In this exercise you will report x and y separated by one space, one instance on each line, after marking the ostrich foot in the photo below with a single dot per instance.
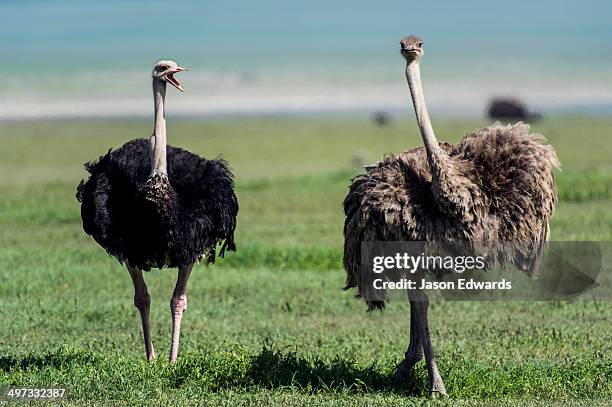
151 357
403 371
437 388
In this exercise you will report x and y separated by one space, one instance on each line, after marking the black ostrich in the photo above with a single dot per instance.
151 205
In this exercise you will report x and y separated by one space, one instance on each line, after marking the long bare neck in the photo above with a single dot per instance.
413 75
452 191
158 139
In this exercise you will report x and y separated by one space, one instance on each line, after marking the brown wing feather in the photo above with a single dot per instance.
511 195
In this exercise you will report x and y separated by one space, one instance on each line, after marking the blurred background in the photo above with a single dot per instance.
69 58
297 96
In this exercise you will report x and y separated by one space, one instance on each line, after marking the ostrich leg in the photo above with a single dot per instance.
420 303
414 353
178 305
142 301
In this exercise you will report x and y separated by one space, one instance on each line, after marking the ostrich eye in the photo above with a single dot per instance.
163 67
420 44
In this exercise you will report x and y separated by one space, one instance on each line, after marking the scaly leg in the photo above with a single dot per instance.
414 353
421 303
142 301
178 305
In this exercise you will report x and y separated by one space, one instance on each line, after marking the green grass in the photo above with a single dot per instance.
270 323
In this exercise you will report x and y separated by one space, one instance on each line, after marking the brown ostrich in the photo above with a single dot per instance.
496 185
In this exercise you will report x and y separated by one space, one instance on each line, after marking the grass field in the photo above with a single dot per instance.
270 323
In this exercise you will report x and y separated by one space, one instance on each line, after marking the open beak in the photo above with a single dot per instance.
172 80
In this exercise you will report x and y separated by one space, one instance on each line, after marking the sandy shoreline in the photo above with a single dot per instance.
336 101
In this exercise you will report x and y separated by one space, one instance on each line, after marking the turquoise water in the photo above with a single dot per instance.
72 58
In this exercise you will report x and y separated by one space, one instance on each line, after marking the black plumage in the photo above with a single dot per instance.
158 222
151 205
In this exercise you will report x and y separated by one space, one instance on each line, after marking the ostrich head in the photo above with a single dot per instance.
412 48
165 70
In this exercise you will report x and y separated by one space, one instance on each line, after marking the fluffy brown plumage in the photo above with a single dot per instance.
500 188
496 185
